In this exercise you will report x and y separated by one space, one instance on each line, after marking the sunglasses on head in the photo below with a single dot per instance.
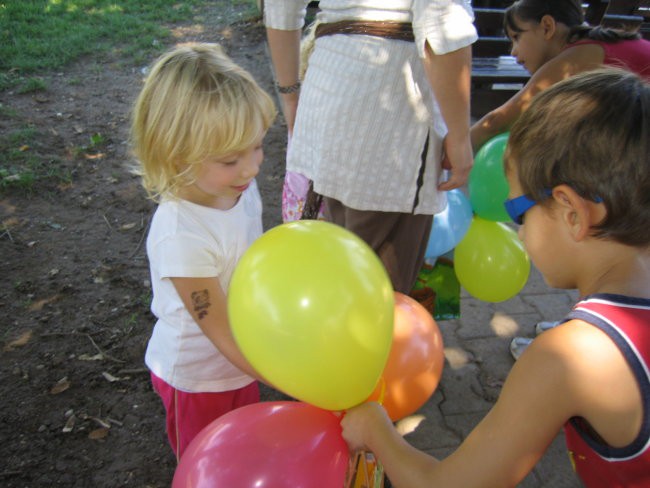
518 206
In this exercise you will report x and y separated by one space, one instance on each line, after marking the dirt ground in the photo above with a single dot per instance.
77 406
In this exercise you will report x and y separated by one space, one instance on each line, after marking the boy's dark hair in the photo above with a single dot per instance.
567 12
591 132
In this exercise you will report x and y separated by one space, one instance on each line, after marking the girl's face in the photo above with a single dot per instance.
544 238
530 45
221 181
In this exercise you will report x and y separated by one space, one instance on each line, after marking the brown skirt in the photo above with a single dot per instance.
399 239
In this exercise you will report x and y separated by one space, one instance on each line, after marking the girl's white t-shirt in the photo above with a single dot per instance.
191 241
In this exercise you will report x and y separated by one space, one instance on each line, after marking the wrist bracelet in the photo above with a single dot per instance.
288 89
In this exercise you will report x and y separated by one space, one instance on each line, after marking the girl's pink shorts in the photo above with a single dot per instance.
188 413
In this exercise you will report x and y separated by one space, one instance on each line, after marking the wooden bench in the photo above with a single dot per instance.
622 14
643 11
496 76
629 15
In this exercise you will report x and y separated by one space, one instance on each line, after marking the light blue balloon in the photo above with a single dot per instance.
450 225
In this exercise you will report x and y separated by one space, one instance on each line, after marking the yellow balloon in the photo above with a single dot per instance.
491 262
311 307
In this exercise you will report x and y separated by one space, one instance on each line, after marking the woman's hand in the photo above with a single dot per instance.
458 159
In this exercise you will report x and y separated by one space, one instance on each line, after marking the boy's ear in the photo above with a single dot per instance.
549 25
577 213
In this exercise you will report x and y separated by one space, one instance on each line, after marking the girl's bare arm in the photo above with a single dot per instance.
206 302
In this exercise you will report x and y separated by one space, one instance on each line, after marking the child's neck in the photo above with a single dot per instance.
193 194
560 39
627 274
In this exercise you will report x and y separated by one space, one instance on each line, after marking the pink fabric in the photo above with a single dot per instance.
294 194
188 413
632 55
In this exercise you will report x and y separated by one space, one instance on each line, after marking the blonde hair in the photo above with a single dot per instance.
195 103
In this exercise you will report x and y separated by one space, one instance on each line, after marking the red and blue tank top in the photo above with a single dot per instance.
626 321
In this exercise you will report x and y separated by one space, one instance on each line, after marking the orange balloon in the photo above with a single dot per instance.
415 363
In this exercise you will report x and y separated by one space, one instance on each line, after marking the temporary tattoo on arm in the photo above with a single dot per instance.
201 302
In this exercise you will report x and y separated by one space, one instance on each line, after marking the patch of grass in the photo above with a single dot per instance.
37 35
18 162
95 141
7 112
8 80
41 36
32 85
20 165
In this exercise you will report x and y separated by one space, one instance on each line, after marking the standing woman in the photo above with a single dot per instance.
552 41
387 81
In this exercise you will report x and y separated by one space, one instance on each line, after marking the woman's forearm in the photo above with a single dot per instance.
284 47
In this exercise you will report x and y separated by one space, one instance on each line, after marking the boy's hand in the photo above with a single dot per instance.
360 422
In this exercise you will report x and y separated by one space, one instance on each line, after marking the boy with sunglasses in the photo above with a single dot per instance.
578 165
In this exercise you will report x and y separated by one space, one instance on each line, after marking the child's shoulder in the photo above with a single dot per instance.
174 216
588 346
581 54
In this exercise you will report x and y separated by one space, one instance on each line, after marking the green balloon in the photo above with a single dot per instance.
490 262
488 187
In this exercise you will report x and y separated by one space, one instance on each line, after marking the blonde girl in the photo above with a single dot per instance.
197 131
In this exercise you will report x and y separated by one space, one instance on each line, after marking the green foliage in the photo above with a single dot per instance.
32 85
96 140
20 165
38 35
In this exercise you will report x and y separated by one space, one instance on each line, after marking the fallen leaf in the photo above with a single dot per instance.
11 221
60 386
23 148
94 156
39 304
109 377
20 341
69 425
100 433
95 357
101 422
128 226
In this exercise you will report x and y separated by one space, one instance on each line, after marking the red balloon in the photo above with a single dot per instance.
282 444
415 363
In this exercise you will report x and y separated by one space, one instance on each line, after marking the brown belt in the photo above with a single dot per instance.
401 31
